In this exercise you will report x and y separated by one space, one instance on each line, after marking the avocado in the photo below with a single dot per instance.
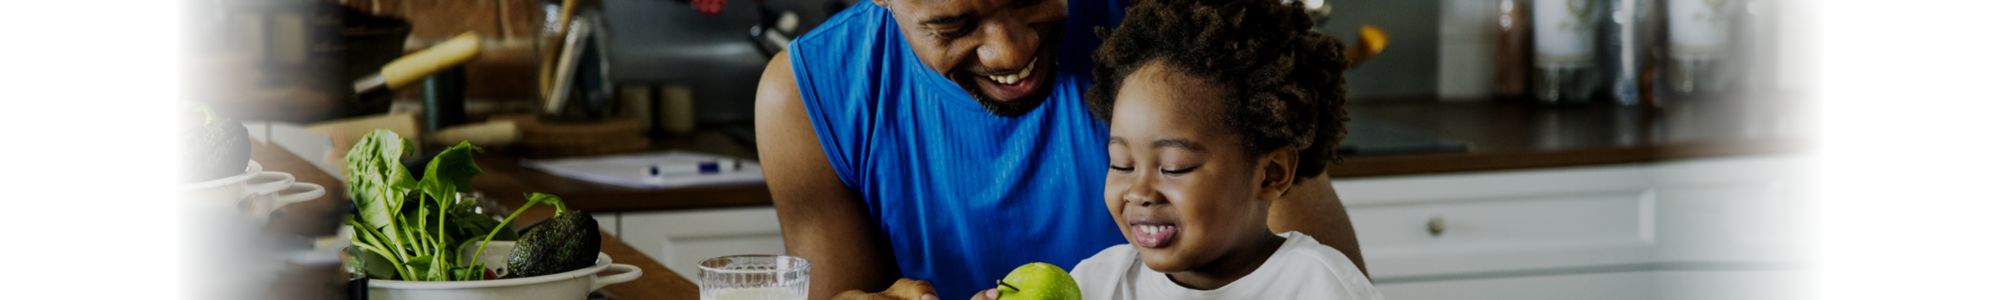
567 242
215 147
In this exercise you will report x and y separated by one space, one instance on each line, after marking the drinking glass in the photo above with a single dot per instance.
758 277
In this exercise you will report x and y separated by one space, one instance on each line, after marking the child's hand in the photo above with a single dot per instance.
904 289
988 294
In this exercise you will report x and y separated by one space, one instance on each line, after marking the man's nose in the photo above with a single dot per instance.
1008 45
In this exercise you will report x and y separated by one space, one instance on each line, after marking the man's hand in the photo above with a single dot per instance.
988 294
904 289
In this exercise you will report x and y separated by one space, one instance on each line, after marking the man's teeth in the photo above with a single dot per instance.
1007 80
1016 77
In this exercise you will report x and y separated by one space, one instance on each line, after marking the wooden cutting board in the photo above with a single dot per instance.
541 138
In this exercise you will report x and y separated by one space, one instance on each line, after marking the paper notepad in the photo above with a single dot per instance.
631 170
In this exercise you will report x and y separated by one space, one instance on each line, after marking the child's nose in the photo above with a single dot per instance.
1141 192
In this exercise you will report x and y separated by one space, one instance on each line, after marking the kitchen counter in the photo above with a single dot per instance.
1512 135
506 179
1495 136
655 281
316 218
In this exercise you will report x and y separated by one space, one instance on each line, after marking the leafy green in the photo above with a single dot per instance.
412 229
533 198
377 181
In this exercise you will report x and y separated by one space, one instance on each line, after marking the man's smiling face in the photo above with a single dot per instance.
1002 52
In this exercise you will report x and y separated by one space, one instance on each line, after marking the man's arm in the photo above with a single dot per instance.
823 221
1311 207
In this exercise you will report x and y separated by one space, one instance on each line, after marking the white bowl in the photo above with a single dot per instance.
249 170
221 194
268 182
298 192
575 284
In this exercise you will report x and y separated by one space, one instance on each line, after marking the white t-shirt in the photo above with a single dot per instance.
1301 269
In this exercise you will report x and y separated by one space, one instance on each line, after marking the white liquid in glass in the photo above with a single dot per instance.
759 293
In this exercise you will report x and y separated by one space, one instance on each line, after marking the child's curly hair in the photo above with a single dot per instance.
1283 79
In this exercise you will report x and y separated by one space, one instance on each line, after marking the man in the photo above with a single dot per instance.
923 147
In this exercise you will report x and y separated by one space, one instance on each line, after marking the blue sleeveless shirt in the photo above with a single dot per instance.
964 196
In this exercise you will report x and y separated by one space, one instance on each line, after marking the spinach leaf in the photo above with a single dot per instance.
411 229
377 180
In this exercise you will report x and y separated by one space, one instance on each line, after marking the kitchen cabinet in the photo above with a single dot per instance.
681 239
1680 229
1716 285
1708 228
1688 200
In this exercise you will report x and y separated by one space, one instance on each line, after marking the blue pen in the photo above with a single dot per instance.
710 167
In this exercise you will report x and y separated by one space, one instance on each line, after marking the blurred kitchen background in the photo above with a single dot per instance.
1499 149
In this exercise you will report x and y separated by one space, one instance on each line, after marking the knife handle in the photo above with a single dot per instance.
415 66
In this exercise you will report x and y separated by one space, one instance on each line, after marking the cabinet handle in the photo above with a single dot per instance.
1435 226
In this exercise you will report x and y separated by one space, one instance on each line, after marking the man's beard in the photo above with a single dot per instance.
1021 106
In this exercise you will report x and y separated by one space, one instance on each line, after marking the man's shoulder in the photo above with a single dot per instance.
838 56
845 30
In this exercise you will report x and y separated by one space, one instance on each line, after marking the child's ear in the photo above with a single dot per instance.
1277 168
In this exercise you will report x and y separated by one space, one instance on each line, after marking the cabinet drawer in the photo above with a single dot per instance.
1504 234
1509 223
1706 285
1503 221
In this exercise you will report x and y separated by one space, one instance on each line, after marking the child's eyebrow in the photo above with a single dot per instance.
1116 140
1179 143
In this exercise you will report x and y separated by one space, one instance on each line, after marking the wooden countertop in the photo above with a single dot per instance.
1513 135
1498 136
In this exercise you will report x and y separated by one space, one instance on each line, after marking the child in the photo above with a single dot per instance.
1215 109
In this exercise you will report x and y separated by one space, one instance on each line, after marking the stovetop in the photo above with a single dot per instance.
1368 138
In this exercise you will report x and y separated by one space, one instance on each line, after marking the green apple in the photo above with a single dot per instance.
1039 281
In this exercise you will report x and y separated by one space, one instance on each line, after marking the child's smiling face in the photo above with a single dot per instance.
1182 186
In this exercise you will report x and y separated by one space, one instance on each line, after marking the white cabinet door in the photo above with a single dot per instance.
680 240
1732 210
